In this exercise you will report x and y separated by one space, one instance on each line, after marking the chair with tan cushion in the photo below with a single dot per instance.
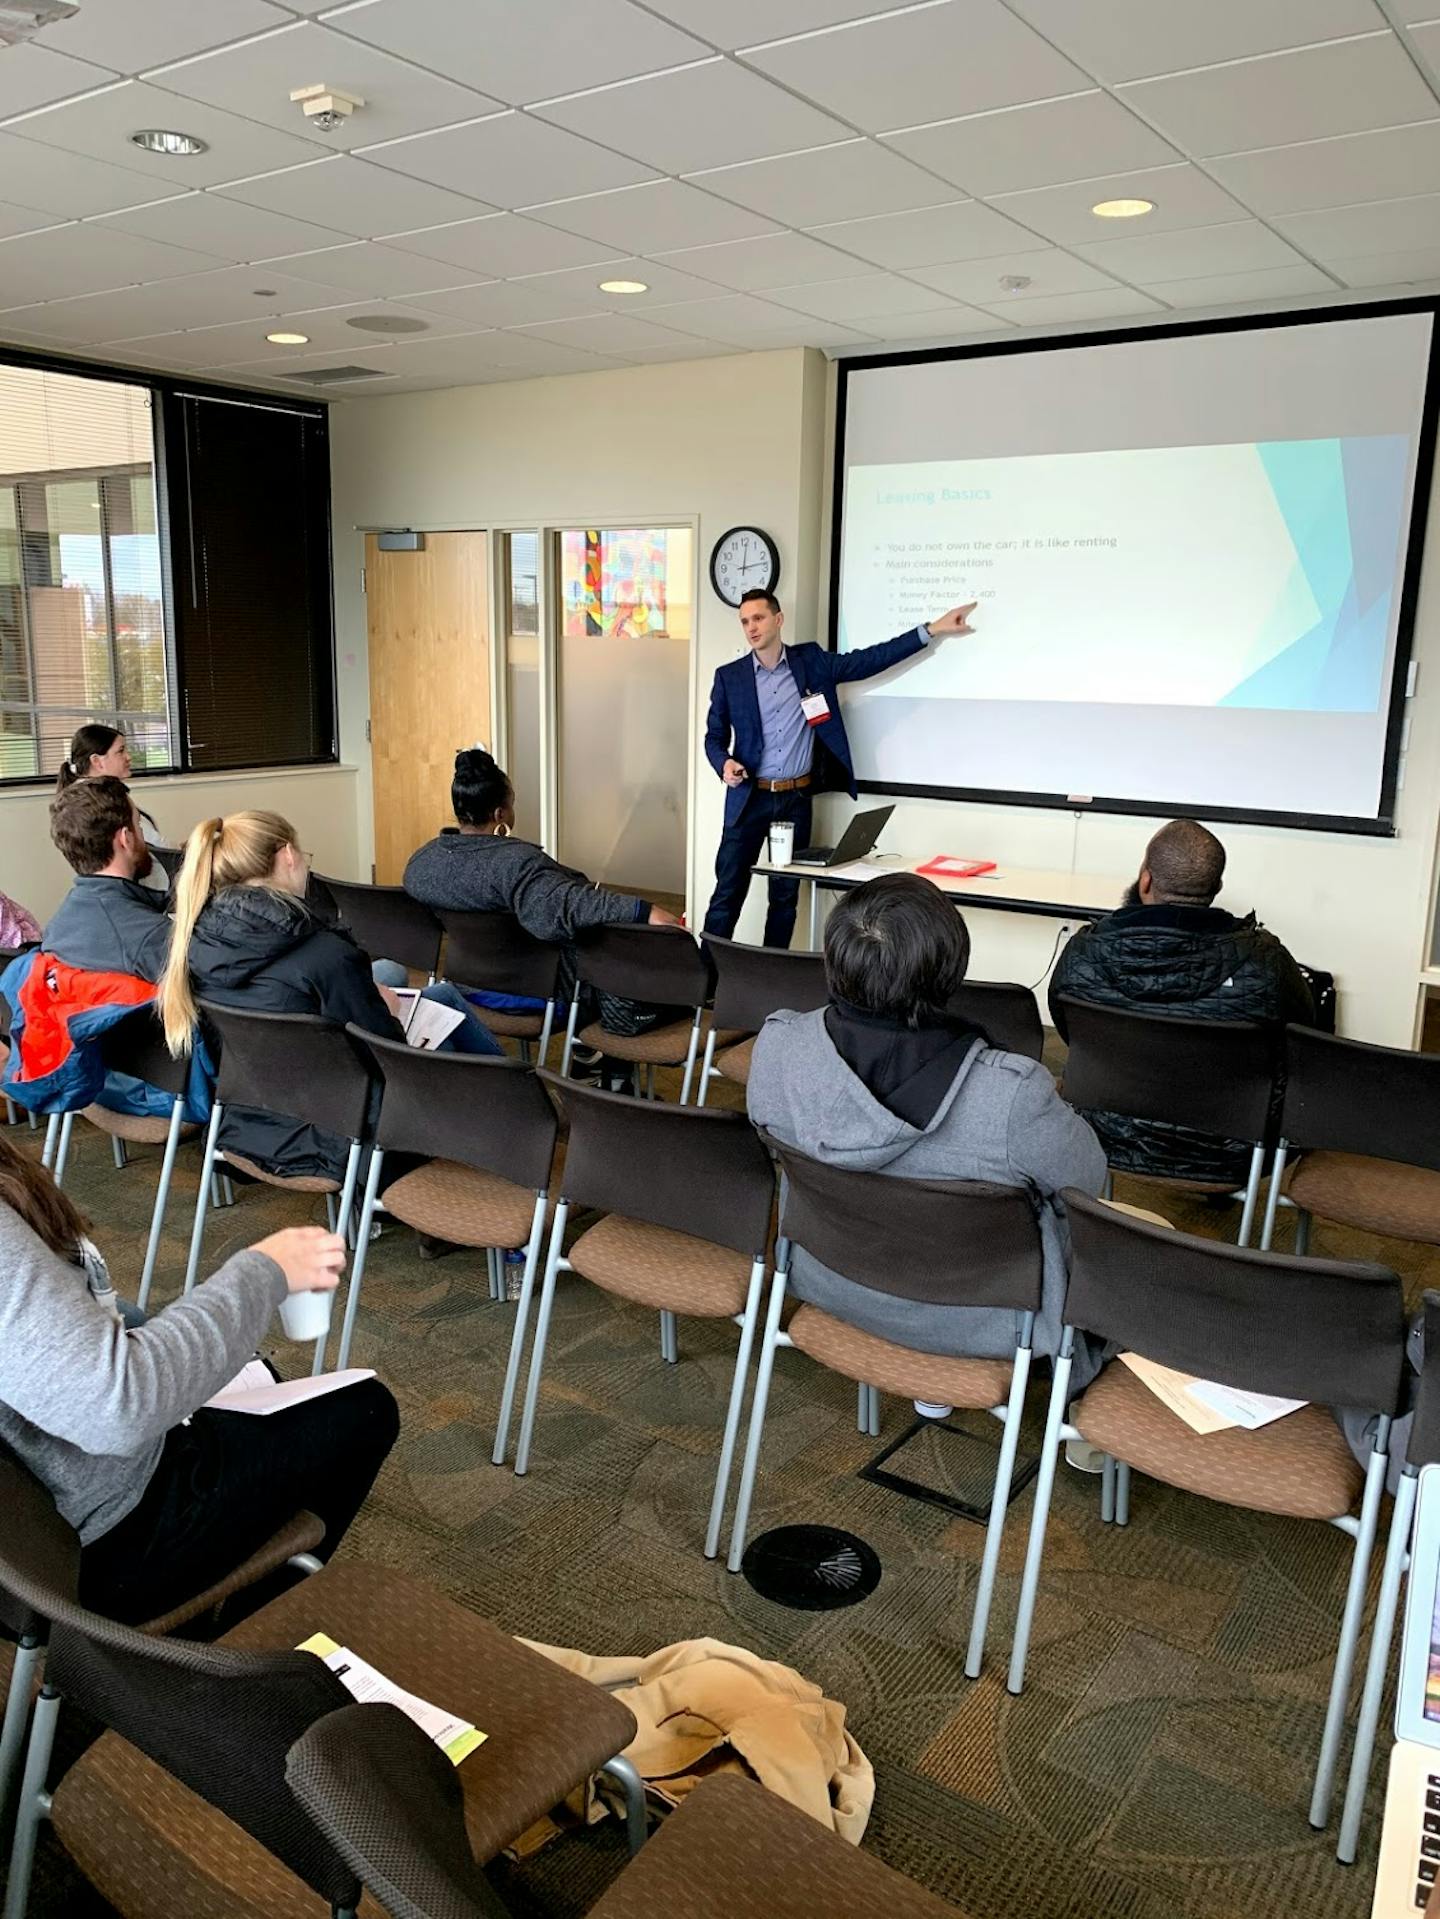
751 983
660 965
1366 1120
731 1851
386 922
486 1132
494 952
687 1196
1007 1015
1328 1334
181 1807
942 1242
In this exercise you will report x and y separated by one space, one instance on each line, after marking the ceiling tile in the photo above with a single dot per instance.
741 320
130 35
1409 11
256 77
86 259
524 53
653 218
1036 146
1389 269
710 115
541 356
1383 226
509 161
858 299
193 300
834 183
1049 272
606 333
664 284
226 227
354 197
777 259
70 185
1310 94
1126 39
101 126
1333 173
681 350
32 76
1239 246
504 303
501 244
1066 307
1234 289
909 67
374 270
744 23
963 230
937 324
329 332
23 220
1183 197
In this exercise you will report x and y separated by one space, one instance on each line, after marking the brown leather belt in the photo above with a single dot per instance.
785 786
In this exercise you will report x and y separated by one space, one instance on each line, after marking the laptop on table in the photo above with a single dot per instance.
856 842
1410 1837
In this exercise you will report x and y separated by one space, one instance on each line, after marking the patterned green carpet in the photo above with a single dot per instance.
1158 1763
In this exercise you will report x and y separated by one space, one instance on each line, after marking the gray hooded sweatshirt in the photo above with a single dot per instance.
1002 1120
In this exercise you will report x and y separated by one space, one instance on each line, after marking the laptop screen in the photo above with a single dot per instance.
1417 1702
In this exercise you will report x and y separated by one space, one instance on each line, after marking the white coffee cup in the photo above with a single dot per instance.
782 842
306 1316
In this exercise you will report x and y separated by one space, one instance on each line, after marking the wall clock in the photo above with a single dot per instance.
744 560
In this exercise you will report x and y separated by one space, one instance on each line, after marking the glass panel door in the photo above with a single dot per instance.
520 561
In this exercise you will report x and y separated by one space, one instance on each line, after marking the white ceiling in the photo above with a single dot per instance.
838 173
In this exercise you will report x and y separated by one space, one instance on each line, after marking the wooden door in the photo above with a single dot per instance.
428 615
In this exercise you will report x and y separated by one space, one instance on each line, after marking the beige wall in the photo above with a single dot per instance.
747 439
713 441
320 801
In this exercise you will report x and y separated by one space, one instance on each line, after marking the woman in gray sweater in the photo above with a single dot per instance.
167 1494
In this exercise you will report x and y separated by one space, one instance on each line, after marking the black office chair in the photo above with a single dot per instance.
1006 1014
659 964
751 983
493 951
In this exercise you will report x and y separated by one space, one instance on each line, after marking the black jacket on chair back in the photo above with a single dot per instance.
267 952
1195 961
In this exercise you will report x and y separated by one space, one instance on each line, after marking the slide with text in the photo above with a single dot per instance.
1258 575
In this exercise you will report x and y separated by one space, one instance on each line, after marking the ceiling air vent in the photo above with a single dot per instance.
336 375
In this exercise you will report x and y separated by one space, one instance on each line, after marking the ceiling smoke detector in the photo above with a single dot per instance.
388 323
326 108
1015 282
19 22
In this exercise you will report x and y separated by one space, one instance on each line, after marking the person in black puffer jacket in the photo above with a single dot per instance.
1170 950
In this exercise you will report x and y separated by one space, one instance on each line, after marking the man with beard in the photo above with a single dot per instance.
1170 950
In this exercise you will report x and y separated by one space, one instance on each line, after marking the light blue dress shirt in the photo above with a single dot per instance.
789 737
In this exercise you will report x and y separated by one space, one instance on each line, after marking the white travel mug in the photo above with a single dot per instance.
305 1317
782 842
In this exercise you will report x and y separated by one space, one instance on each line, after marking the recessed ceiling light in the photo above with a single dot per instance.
624 286
1015 282
288 339
176 146
1122 209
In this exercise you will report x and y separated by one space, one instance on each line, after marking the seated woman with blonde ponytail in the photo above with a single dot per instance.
244 937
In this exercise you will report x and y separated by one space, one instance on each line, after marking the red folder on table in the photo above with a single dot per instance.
945 866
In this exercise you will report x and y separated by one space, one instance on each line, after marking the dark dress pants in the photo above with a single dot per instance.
744 843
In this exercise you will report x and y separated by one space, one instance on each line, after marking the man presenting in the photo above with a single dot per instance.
774 735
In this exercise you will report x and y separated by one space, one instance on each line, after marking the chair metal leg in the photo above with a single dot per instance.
542 1335
12 1112
52 1140
707 1067
29 1658
34 1803
633 1786
1107 1492
669 1337
1107 1191
330 1212
1382 1634
207 1167
490 1272
569 1046
999 1506
62 1151
1302 1232
117 1152
306 1563
34 1122
547 1027
362 1247
732 1411
757 1409
162 1200
862 1409
1349 1630
227 1190
517 1337
1035 1548
690 1057
1272 1198
346 1213
1122 1492
1252 1193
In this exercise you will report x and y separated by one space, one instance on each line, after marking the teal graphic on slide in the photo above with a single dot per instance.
1342 502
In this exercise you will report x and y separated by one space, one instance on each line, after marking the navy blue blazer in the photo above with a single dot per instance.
734 731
